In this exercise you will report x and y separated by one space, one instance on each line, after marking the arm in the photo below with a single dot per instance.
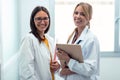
64 59
26 61
54 66
91 60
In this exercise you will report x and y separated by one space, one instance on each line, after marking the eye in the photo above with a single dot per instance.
76 13
40 19
45 18
82 14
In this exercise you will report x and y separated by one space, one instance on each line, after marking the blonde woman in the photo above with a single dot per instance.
89 69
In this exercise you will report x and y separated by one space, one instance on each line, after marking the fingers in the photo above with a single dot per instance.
55 66
66 71
62 55
60 50
54 63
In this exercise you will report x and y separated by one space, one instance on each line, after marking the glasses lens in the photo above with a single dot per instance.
40 19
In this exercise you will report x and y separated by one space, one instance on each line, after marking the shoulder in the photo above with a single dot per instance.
28 38
50 40
91 36
49 37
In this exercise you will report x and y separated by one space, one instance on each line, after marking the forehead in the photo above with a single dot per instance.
41 14
79 8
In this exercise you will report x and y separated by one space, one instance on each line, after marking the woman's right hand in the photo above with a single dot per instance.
66 71
54 66
62 55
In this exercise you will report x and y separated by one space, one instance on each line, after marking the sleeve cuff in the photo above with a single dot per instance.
71 63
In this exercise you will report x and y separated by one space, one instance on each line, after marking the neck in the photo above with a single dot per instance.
80 29
42 35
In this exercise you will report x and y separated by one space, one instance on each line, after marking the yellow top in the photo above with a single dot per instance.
47 44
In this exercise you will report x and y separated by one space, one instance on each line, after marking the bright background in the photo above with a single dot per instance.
102 23
14 24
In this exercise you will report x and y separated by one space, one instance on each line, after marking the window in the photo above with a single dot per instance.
102 23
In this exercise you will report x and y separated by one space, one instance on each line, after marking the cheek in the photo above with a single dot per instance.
86 21
74 17
35 23
47 23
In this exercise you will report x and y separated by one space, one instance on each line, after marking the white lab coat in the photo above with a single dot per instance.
89 70
34 58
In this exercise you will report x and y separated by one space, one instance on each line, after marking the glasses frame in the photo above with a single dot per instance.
39 19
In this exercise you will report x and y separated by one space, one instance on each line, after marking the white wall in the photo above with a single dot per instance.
110 68
0 36
15 24
117 26
0 42
25 9
8 29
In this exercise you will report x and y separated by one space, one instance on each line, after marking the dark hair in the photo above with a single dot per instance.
32 24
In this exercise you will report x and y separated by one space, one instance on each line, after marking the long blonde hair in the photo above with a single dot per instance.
87 8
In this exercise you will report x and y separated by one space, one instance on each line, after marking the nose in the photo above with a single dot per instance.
78 15
42 22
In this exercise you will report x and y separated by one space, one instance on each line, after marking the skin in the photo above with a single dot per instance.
63 56
41 26
80 21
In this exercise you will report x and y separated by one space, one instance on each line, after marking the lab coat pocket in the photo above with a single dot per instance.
26 73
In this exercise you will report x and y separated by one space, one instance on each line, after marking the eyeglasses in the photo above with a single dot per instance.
40 19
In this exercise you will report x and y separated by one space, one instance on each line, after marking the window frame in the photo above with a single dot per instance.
116 52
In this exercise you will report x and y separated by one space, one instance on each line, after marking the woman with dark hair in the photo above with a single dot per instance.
37 49
89 69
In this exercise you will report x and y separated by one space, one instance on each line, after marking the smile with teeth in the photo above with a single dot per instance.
78 20
41 25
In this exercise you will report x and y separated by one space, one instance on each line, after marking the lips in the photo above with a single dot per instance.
41 25
78 21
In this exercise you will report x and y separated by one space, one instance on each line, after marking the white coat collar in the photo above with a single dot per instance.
82 36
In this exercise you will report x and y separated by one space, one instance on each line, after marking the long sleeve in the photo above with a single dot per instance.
26 61
91 60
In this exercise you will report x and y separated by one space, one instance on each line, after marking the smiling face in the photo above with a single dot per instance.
41 21
80 19
82 15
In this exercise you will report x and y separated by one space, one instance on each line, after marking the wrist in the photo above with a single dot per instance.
66 62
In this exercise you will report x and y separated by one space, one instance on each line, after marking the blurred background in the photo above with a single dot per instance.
14 24
105 23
